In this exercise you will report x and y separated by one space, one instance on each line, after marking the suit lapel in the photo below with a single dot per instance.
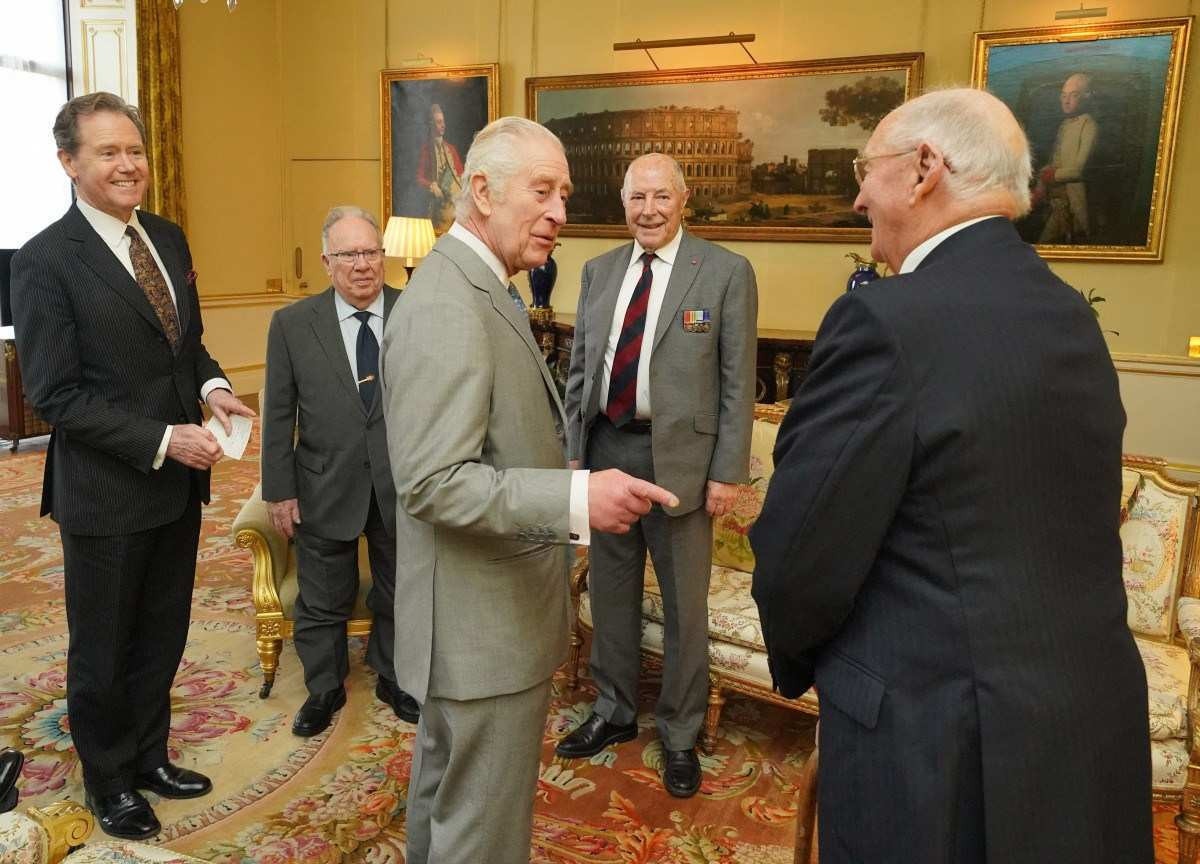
328 331
485 280
683 273
174 264
600 321
96 255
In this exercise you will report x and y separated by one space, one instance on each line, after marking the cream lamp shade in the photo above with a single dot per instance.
408 237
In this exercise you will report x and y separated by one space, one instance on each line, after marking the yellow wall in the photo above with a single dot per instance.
281 119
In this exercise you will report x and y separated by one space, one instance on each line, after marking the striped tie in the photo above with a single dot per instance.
622 383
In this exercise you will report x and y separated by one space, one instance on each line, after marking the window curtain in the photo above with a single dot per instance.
161 106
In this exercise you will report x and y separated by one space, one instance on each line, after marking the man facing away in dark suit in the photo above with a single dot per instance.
109 338
662 386
939 551
325 469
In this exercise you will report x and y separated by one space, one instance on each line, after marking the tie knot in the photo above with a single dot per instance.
648 258
131 233
364 316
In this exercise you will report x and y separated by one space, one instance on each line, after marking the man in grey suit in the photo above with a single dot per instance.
485 505
661 386
325 467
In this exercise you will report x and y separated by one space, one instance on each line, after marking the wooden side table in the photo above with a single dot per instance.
17 419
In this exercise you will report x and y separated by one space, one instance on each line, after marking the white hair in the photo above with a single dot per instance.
345 211
982 143
680 183
496 153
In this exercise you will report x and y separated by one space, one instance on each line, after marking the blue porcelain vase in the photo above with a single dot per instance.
864 272
541 281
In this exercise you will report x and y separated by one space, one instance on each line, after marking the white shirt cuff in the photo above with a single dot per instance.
214 384
577 524
161 456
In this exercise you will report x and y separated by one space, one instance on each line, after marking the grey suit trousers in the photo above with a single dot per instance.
681 549
469 803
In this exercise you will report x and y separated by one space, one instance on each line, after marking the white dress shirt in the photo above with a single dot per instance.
916 256
577 522
351 325
112 232
660 270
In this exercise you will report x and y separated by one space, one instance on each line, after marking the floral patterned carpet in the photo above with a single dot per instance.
340 796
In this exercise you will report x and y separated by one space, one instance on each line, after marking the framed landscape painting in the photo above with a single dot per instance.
1100 104
429 117
767 150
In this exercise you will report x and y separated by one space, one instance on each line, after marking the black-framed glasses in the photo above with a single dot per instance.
350 258
860 162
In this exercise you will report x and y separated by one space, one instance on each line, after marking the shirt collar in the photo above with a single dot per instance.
345 310
110 228
480 248
667 253
916 256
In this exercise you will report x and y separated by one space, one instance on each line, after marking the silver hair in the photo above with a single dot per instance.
497 155
345 211
680 183
983 154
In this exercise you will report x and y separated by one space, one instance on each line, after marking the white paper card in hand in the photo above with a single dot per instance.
234 445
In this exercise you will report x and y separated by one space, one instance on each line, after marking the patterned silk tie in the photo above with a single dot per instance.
622 382
367 356
516 297
154 286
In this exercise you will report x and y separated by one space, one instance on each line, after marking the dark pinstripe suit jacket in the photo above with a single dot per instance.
939 552
97 367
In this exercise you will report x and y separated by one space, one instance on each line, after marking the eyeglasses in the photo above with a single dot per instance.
371 256
860 162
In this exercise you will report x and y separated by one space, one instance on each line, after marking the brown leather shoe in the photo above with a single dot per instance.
593 735
681 772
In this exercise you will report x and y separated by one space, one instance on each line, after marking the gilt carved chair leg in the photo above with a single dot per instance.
573 655
1188 820
268 658
712 717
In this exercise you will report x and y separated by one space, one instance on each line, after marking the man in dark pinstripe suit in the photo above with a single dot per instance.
108 334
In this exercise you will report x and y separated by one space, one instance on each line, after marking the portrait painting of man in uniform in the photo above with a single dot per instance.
1100 104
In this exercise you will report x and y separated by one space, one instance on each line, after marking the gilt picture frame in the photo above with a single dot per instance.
1100 103
429 117
766 149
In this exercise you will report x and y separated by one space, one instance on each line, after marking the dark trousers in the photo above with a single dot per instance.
129 600
327 573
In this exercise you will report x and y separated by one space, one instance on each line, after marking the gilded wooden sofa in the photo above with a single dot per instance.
45 835
737 656
275 588
1162 580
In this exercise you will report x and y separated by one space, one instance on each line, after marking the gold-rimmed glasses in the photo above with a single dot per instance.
349 258
860 162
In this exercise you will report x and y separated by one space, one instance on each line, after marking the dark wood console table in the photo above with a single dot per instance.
17 419
782 363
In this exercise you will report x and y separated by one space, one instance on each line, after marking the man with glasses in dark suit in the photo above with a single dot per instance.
108 332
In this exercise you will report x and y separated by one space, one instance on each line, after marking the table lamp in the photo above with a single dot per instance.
408 237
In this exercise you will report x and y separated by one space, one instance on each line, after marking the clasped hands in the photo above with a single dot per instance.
195 446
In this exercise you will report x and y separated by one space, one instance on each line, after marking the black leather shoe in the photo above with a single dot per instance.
593 735
11 762
681 774
316 712
126 815
405 706
171 781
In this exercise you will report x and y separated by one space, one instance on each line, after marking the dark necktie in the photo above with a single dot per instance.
516 297
622 382
367 356
150 279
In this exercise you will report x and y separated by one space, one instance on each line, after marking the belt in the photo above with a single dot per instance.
634 427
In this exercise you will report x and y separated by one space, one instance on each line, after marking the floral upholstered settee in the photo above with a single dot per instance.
1162 579
45 835
737 656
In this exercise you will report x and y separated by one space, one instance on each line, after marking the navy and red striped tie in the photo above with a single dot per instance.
622 382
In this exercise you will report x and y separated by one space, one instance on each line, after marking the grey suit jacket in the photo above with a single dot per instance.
476 437
311 399
701 384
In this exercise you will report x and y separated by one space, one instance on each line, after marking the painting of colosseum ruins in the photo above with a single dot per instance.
766 149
